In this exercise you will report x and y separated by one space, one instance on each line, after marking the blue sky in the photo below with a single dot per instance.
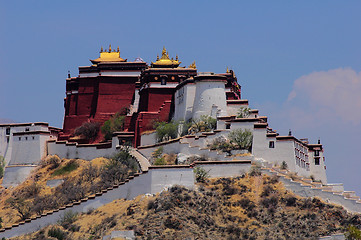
298 61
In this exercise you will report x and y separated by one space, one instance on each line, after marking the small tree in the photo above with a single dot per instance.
89 130
157 156
243 112
2 164
284 165
166 131
201 174
203 124
242 139
21 206
353 233
114 124
68 218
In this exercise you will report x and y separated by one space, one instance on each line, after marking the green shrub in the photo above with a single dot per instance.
118 168
69 167
160 161
2 165
221 143
353 233
241 139
255 171
68 218
243 112
53 161
114 124
89 130
203 124
166 131
201 174
57 233
157 157
284 165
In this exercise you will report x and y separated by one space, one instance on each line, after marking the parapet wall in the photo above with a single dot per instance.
14 175
83 151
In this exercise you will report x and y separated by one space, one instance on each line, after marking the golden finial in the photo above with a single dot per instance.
176 57
101 49
118 49
110 47
157 57
227 71
167 55
164 51
193 65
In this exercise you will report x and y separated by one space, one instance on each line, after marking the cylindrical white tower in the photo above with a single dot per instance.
210 97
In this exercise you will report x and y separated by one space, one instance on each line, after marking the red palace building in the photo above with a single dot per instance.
112 83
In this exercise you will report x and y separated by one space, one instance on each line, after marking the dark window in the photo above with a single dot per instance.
8 131
19 138
163 81
228 126
317 153
317 161
271 144
33 138
26 138
27 129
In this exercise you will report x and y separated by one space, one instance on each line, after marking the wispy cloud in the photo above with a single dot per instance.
326 96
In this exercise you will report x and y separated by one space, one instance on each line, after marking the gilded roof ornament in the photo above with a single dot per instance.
193 65
165 61
227 71
109 56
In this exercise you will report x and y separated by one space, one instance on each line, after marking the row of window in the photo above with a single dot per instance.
301 148
301 163
26 138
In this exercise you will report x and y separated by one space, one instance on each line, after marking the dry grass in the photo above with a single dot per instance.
39 177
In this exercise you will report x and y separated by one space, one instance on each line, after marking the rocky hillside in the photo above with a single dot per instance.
247 207
57 182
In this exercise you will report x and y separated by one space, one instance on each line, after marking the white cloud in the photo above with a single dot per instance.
326 96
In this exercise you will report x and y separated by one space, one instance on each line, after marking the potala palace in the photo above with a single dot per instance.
163 91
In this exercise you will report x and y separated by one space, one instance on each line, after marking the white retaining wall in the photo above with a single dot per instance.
225 170
14 175
81 151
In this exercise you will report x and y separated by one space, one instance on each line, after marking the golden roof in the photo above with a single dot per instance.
165 61
109 56
193 65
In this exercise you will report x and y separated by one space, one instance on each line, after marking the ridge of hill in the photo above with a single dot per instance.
251 206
